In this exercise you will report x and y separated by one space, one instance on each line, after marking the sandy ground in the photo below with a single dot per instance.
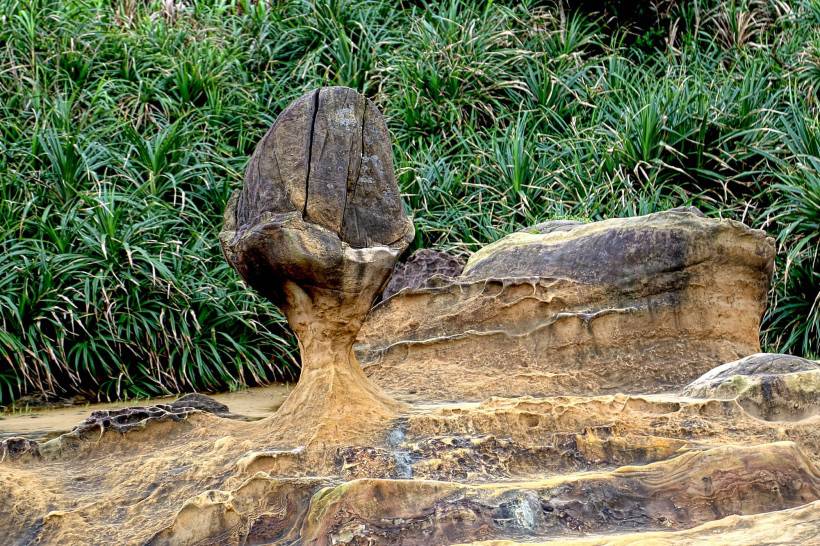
41 424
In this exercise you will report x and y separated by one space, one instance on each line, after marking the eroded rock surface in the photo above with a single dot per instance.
719 380
661 495
327 157
774 387
317 229
667 296
540 469
128 419
16 447
420 269
787 527
121 421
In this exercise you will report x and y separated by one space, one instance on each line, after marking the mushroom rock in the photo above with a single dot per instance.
628 304
317 228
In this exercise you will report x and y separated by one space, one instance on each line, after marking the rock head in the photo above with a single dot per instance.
320 207
317 228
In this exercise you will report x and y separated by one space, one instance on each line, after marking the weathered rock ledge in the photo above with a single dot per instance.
666 296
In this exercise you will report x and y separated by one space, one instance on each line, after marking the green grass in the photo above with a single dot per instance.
124 126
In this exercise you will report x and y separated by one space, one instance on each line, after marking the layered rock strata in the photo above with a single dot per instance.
558 468
641 304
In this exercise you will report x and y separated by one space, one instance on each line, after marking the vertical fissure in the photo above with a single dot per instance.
366 242
310 150
351 191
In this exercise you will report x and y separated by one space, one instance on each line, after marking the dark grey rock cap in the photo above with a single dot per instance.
328 156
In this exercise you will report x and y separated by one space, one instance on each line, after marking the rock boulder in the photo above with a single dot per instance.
773 387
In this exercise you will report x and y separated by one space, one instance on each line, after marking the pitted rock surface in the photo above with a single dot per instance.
420 268
137 417
199 402
122 421
15 447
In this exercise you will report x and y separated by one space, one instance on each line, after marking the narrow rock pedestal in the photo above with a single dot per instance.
317 229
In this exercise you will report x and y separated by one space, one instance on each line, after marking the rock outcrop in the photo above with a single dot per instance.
317 229
659 495
16 447
121 421
543 385
641 304
728 379
787 527
773 387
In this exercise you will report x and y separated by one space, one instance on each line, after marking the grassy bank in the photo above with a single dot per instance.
125 124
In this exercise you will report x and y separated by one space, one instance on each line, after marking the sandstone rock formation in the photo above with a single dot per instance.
563 351
658 495
505 469
420 269
549 311
773 387
729 379
786 527
317 229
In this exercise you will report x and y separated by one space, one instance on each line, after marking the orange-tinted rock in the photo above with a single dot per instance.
317 229
625 305
542 468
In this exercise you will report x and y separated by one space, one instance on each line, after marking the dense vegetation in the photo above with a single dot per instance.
126 123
